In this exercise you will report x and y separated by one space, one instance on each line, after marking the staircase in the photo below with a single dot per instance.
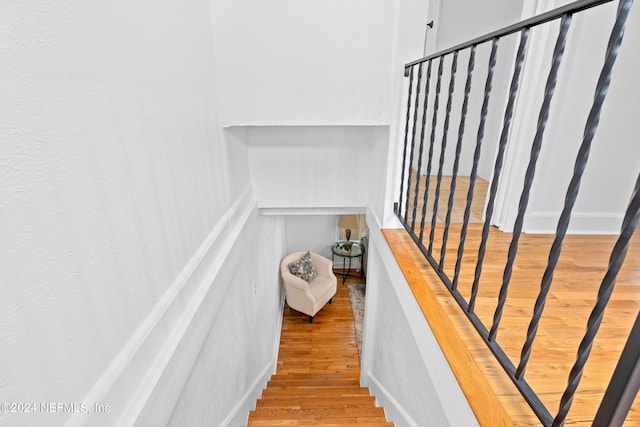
323 400
317 381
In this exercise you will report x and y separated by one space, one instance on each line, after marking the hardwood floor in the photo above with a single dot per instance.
459 200
578 275
575 286
318 374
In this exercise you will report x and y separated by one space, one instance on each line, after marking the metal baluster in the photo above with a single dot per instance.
424 121
476 158
508 116
572 192
543 117
456 162
443 149
406 138
624 384
434 122
629 223
413 142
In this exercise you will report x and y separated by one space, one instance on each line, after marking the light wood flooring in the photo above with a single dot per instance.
459 200
317 379
575 286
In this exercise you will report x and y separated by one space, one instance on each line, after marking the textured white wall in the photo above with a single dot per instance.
240 348
315 233
112 174
460 20
127 211
304 62
315 166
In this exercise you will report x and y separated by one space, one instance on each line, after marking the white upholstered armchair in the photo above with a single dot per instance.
309 298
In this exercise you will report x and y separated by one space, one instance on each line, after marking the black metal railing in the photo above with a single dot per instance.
624 384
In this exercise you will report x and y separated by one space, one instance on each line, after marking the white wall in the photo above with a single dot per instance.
117 214
316 166
315 233
240 351
402 361
291 62
615 157
409 34
460 21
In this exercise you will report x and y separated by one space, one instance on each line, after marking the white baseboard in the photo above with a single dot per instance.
144 381
394 412
581 223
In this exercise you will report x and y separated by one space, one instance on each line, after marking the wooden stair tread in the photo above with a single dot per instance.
323 412
317 402
312 382
338 391
360 422
311 376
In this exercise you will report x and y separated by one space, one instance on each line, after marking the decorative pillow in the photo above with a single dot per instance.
303 268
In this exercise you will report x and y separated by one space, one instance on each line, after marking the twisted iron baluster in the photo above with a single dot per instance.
543 116
629 225
456 162
616 260
413 141
424 121
476 159
432 139
406 138
624 384
508 116
572 192
443 149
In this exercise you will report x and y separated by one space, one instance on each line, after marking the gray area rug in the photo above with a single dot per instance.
356 298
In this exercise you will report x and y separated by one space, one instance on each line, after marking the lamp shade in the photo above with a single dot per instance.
349 222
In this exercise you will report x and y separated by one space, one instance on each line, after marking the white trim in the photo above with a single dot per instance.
134 378
309 210
277 334
370 307
392 409
581 223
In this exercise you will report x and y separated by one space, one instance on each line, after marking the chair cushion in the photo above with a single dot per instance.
303 268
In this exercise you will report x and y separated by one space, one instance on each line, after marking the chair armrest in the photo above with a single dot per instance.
295 281
323 266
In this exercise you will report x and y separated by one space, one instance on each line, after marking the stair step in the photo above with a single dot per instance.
345 422
318 375
311 382
316 402
312 376
317 391
319 413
